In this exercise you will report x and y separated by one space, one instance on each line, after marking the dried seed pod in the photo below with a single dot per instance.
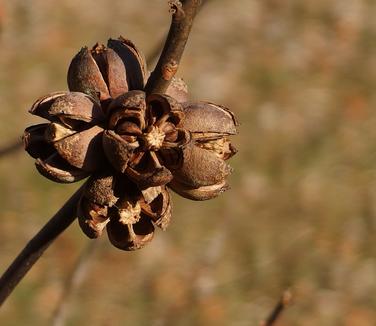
127 107
85 76
203 173
129 236
142 133
69 146
35 143
133 145
151 178
107 72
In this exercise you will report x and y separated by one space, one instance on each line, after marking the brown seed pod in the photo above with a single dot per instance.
130 236
134 146
69 146
107 72
85 76
203 172
149 178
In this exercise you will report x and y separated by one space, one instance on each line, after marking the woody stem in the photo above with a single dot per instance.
37 245
184 12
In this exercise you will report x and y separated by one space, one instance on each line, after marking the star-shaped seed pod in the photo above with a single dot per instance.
114 202
132 145
143 139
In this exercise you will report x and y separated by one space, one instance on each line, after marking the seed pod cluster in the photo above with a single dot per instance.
132 146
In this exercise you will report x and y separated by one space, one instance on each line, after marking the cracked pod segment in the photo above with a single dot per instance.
68 147
114 203
203 174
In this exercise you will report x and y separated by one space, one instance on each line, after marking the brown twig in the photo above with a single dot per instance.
37 245
284 301
183 15
156 51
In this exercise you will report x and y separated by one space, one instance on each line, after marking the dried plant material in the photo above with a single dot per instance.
133 145
204 170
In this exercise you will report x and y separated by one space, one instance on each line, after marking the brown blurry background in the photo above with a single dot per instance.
301 76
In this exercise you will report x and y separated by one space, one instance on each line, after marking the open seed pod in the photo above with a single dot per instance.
98 196
132 145
113 201
204 170
69 147
107 72
143 140
132 219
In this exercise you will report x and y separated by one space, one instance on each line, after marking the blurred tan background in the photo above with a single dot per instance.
301 214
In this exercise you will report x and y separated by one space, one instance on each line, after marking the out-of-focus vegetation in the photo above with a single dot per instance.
301 213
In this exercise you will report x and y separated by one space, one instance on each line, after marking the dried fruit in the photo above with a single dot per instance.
131 145
114 202
142 131
107 72
69 147
204 172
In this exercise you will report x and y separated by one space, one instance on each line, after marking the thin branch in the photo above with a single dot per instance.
183 15
37 245
284 301
73 282
157 49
